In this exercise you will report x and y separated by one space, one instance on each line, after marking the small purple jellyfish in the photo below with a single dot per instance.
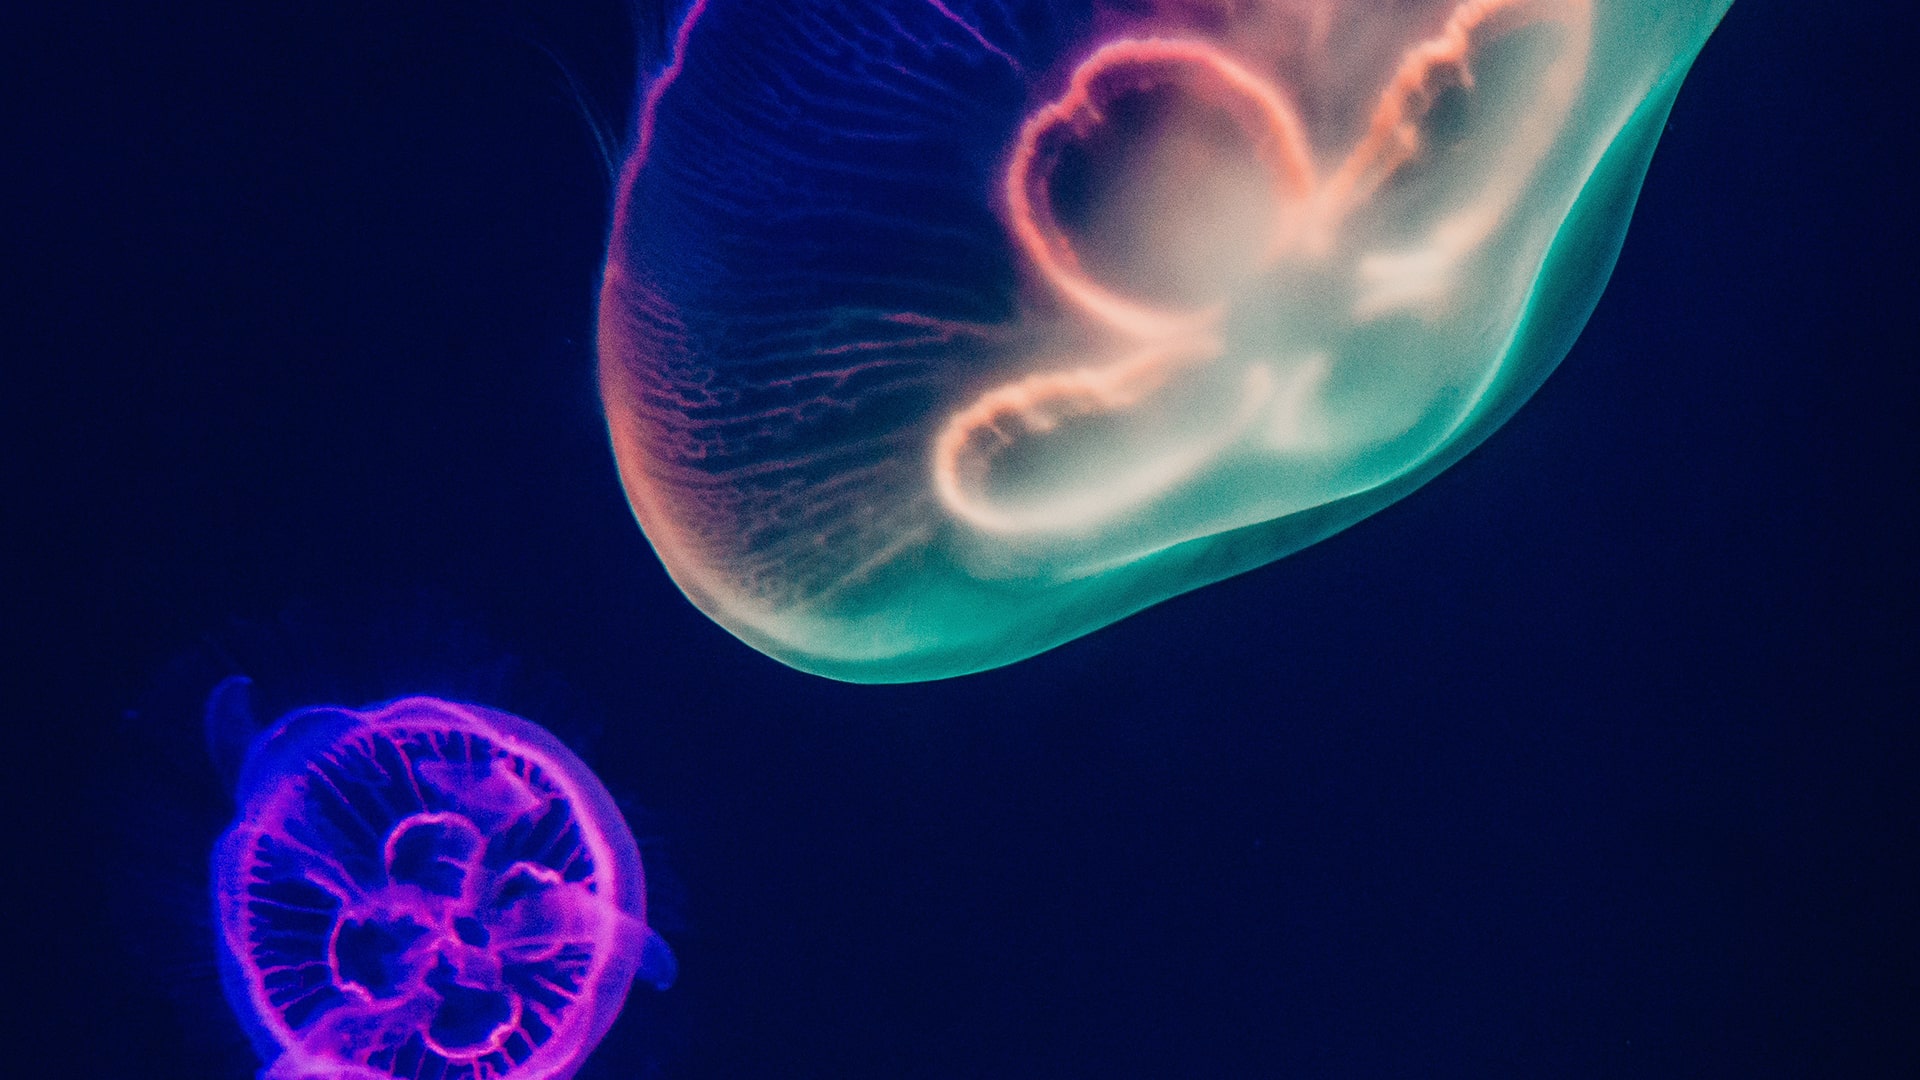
426 890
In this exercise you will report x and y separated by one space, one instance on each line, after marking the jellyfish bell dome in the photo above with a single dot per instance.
934 335
426 888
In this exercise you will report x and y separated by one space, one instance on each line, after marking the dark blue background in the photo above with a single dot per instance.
1595 757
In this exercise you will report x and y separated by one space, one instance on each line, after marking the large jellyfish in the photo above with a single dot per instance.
935 333
426 890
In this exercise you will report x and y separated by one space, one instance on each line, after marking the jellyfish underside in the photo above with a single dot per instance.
1231 279
425 890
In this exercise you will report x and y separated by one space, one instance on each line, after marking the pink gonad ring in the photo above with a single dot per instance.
426 890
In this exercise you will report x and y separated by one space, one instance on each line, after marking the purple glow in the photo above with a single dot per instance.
426 890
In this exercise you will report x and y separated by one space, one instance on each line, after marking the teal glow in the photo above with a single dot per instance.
960 362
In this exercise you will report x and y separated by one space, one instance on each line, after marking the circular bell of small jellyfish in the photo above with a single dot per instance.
936 333
427 890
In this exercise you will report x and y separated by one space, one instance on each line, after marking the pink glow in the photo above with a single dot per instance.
428 891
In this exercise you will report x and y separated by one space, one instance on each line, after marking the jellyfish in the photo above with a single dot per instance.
936 333
425 890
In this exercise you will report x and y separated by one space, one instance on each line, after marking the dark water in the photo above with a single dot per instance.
1595 757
